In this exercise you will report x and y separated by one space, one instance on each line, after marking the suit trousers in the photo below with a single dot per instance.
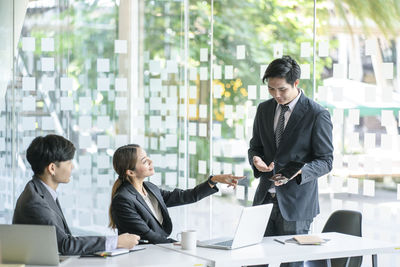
277 225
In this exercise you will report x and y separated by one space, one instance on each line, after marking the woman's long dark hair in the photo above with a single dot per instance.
124 159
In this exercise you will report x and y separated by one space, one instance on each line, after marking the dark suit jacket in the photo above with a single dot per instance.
36 206
132 215
308 138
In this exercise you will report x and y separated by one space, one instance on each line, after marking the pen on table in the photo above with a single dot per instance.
279 241
144 241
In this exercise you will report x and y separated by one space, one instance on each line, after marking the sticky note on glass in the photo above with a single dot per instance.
66 83
103 141
28 83
121 84
155 122
240 52
239 132
203 54
120 46
386 141
28 123
263 92
339 71
155 85
48 83
354 116
192 148
238 170
193 91
203 111
47 63
217 90
155 66
85 123
66 103
216 167
370 47
217 72
369 188
203 73
121 103
338 115
202 166
323 93
103 65
228 72
387 70
203 129
323 49
103 122
263 68
305 49
252 91
305 71
171 122
227 168
192 74
278 50
28 44
85 103
355 71
28 103
47 44
192 111
353 162
387 118
171 140
171 179
216 130
192 128
228 111
172 66
48 123
103 84
103 161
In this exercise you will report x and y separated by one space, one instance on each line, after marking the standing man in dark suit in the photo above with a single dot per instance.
51 160
289 127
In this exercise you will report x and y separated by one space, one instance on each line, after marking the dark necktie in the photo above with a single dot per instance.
280 127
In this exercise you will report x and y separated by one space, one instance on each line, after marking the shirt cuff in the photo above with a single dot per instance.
111 242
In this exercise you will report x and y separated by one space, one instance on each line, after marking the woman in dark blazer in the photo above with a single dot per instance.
140 207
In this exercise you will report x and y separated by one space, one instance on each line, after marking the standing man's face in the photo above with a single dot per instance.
282 91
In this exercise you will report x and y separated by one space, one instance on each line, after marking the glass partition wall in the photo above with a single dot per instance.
183 79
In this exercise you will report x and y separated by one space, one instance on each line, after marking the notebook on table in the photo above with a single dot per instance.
249 231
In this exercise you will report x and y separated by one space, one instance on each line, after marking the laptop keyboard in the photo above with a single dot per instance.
224 243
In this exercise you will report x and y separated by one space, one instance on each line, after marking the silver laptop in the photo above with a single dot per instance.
249 231
29 244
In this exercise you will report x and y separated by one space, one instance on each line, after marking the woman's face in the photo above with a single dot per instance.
144 165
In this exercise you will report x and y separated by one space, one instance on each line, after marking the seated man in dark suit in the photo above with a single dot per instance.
51 160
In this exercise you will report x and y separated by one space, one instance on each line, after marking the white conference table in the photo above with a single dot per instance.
273 253
152 256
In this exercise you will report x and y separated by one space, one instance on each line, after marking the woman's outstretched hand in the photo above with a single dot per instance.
228 179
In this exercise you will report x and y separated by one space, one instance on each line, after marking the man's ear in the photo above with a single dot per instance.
296 83
51 168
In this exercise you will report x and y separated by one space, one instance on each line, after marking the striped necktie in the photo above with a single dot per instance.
280 127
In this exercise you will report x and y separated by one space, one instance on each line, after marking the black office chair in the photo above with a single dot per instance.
345 222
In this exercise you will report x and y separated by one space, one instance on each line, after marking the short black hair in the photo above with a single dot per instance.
285 67
45 150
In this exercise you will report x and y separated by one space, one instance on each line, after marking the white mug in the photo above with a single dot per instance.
188 239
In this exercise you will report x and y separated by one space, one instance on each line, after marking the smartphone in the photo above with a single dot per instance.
291 169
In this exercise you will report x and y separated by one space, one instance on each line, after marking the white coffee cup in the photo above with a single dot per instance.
188 239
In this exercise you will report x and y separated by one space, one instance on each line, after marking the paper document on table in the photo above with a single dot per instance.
308 240
118 251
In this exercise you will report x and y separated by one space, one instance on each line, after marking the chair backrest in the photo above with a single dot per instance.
345 222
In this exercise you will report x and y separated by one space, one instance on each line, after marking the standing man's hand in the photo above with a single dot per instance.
261 165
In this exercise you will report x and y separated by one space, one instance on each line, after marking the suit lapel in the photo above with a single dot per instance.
45 194
298 113
164 211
